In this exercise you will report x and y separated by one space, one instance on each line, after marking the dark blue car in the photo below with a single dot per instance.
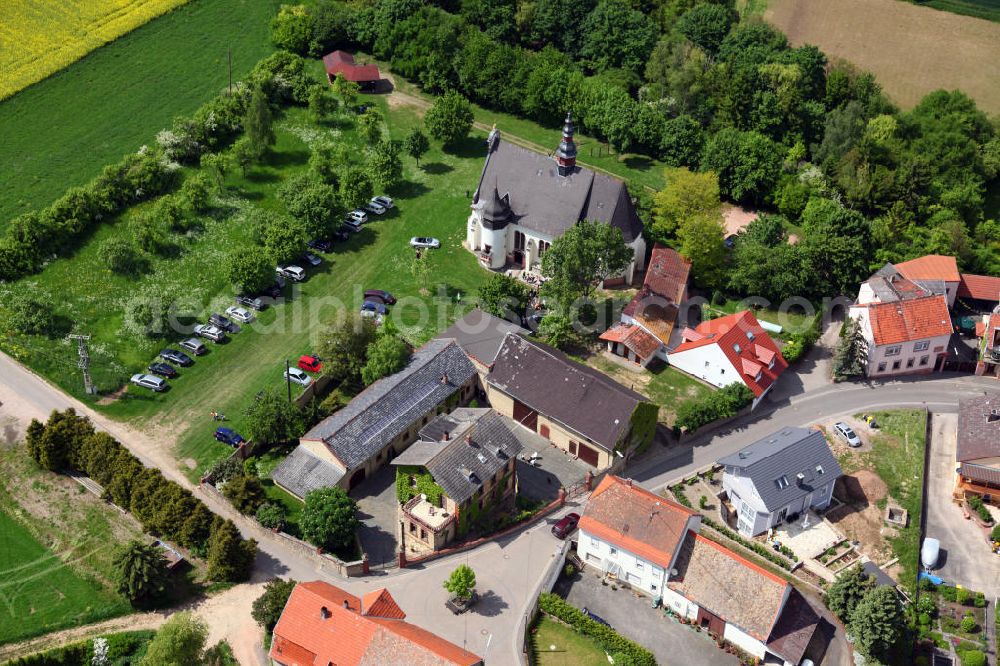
372 306
178 357
228 436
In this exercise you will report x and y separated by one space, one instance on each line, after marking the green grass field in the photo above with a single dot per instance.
555 644
61 131
984 9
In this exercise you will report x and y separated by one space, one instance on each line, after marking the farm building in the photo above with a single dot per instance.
342 62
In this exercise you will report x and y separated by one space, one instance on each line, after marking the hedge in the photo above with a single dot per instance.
801 342
720 404
127 647
756 547
607 638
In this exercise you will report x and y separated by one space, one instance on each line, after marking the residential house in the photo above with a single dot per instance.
647 322
933 267
633 534
988 332
978 450
322 624
525 200
576 408
730 349
462 466
979 293
342 62
480 335
382 421
777 478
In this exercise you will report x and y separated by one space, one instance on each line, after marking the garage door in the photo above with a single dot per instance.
587 454
356 478
525 415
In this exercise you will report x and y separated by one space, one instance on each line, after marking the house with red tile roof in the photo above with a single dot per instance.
933 267
904 337
633 534
988 332
323 624
647 322
979 292
342 62
730 349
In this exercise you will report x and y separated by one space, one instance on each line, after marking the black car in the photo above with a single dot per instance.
224 323
320 244
178 357
274 291
163 370
343 234
251 302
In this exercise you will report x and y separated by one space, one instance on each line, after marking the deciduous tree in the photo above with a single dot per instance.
267 608
461 582
284 239
687 194
258 123
584 255
250 269
416 144
701 240
272 419
503 296
312 202
449 119
343 346
179 642
388 354
329 518
384 164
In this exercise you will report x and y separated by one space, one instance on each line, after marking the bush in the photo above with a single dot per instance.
948 592
268 606
961 595
121 647
800 342
225 469
569 570
972 658
925 604
606 637
329 518
923 619
720 404
245 493
271 515
968 624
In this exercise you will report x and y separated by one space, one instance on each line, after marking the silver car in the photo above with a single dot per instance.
193 345
296 273
358 216
847 434
241 315
298 376
424 242
384 201
213 333
150 381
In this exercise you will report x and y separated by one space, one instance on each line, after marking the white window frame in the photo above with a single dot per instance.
893 350
923 345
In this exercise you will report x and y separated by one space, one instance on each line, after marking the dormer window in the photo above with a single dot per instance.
781 482
750 336
819 469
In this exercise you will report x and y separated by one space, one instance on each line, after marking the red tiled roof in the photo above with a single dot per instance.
663 288
316 628
979 287
930 267
906 321
639 341
756 348
342 62
636 520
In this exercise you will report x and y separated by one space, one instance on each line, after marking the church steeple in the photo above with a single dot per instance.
566 153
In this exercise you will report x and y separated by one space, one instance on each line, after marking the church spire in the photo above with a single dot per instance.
566 153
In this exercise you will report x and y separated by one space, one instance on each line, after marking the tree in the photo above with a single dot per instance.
387 355
370 125
877 622
250 269
272 419
355 187
52 444
748 163
258 123
322 104
343 346
702 244
267 608
346 90
284 239
179 642
148 314
461 582
30 312
310 201
416 144
292 28
384 164
271 515
583 256
706 25
617 36
216 165
122 257
245 493
141 572
449 119
329 518
681 141
557 329
505 297
230 557
686 194
847 591
244 153
851 356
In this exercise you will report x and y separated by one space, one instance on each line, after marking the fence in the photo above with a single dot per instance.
546 584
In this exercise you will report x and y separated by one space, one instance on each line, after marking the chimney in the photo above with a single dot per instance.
468 439
628 482
566 153
347 604
445 436
444 378
324 612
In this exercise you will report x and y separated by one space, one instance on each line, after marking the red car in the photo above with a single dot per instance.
310 363
565 527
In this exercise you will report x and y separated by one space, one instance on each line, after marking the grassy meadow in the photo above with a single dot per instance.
554 643
73 123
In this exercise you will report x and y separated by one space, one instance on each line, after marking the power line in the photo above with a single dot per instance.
84 362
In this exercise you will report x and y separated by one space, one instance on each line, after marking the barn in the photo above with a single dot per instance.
342 62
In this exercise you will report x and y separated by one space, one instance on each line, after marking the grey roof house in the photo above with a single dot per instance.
380 422
776 478
480 335
978 450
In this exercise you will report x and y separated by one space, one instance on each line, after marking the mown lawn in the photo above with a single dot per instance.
794 318
662 384
63 130
555 644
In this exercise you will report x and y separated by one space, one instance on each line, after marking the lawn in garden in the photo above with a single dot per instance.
555 644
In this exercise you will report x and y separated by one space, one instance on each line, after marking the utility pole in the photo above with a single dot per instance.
84 362
229 51
288 380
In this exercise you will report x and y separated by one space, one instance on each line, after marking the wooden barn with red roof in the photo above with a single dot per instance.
730 349
342 62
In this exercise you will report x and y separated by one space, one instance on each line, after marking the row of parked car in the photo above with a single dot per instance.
358 217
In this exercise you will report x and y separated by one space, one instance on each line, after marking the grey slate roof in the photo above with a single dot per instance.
388 407
890 286
480 442
480 334
881 577
978 436
542 200
301 472
787 453
575 395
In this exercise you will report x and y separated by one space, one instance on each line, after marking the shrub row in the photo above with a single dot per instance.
800 342
164 508
720 404
606 637
755 546
128 644
977 505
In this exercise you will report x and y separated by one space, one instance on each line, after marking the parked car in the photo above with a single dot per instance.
163 370
380 295
595 617
566 525
228 436
296 273
194 345
320 245
240 314
150 381
213 333
342 234
424 241
310 363
847 434
376 208
298 376
357 215
311 259
252 302
374 306
353 226
274 291
384 201
178 357
222 322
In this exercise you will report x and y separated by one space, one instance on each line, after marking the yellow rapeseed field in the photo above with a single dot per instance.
40 37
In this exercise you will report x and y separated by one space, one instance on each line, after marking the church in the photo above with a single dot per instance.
525 200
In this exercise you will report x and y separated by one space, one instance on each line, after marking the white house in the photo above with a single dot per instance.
525 200
777 477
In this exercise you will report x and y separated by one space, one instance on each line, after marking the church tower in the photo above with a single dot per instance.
566 153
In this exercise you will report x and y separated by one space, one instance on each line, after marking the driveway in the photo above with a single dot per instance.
377 510
553 468
635 618
965 554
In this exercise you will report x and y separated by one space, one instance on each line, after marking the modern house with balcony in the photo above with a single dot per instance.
978 452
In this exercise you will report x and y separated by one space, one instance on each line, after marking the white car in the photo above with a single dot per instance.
358 216
847 433
213 333
373 207
423 241
296 273
241 315
384 201
298 376
150 381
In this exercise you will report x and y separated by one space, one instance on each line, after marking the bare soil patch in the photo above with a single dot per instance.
859 518
912 50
